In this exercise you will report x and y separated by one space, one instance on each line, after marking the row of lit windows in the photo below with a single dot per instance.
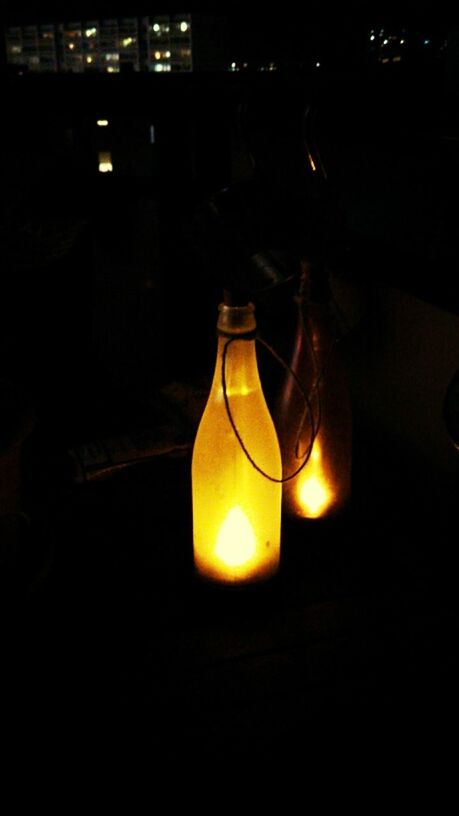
92 44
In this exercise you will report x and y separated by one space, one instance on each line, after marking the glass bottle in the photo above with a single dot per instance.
236 509
323 486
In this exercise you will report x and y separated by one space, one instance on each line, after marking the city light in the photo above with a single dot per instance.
105 162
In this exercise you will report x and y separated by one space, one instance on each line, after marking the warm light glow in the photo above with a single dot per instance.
236 510
102 122
314 492
236 542
105 162
183 26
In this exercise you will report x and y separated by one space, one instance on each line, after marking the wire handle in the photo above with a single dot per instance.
314 430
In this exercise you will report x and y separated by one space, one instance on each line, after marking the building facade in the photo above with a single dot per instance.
159 44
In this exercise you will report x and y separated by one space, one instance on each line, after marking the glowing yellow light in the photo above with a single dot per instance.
236 510
102 122
105 162
184 26
157 54
314 493
236 540
314 496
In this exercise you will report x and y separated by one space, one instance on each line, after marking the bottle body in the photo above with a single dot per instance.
323 486
236 509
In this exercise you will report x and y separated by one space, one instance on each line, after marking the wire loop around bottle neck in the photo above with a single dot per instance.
308 408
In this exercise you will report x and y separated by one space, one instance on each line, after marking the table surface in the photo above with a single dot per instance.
357 632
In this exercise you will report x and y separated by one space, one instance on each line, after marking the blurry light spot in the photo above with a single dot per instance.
105 162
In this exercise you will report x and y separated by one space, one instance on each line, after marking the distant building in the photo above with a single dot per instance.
158 44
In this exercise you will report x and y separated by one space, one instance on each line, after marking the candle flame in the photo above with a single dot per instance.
314 496
314 493
236 542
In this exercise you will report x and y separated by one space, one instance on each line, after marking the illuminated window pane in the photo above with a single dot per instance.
105 162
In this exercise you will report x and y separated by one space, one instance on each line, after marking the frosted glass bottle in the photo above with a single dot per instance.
236 509
323 486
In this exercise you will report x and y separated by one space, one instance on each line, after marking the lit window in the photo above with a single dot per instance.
105 162
183 26
102 122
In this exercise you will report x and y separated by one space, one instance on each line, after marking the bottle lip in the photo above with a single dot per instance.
247 309
236 320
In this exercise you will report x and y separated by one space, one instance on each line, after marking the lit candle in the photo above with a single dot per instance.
236 509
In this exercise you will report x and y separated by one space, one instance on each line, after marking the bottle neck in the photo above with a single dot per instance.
236 350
